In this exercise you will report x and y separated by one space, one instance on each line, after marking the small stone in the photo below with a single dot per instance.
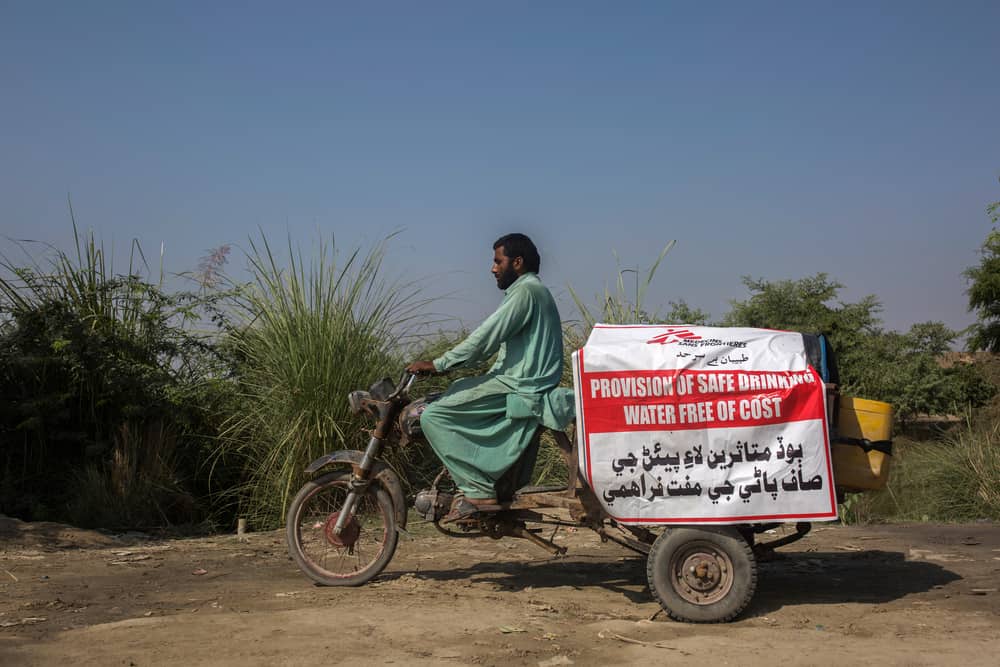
558 660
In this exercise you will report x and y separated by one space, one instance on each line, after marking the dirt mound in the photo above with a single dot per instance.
47 536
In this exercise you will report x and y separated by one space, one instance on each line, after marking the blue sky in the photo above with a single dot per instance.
770 139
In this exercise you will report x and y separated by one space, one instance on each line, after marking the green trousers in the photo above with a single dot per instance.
469 430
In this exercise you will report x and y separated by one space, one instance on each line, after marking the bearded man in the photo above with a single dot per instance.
482 425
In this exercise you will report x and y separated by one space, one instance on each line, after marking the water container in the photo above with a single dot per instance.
862 444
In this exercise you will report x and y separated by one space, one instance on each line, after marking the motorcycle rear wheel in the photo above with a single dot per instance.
363 548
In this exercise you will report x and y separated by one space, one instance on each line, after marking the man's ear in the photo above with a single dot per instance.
517 264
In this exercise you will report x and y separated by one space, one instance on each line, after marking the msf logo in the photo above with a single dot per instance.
673 335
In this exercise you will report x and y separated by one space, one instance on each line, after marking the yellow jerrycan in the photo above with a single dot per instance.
862 445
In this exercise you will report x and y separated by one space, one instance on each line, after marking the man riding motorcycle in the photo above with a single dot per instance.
481 425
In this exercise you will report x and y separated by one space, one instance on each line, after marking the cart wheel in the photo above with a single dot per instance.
702 575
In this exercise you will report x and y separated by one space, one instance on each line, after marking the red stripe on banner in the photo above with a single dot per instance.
618 401
750 518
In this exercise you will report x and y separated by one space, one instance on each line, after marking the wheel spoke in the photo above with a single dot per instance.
361 546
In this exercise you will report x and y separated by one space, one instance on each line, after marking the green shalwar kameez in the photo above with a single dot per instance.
481 425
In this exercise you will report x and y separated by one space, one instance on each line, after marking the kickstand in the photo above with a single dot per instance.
548 545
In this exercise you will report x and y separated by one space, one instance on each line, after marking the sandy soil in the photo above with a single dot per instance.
895 595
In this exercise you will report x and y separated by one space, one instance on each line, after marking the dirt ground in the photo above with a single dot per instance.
895 595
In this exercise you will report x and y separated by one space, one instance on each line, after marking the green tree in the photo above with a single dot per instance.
681 313
810 305
984 289
803 305
906 370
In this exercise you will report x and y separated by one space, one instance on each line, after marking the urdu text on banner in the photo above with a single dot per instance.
703 425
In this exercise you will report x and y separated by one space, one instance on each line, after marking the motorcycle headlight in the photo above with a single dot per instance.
355 400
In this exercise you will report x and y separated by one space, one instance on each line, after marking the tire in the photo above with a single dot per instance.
702 575
366 544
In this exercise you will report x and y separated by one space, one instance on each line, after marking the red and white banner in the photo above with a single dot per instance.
703 425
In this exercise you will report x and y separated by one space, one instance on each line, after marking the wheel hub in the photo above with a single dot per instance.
348 536
701 574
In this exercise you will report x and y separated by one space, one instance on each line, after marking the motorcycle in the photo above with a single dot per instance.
343 526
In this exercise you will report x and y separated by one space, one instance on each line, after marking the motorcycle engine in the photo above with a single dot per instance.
432 504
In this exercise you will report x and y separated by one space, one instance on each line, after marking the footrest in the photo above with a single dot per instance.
538 489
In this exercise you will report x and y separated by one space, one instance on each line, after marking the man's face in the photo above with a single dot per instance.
505 269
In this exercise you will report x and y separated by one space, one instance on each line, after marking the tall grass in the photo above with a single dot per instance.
955 478
308 334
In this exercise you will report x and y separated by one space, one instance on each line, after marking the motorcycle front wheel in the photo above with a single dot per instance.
362 549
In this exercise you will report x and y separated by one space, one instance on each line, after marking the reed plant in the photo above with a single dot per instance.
306 334
615 306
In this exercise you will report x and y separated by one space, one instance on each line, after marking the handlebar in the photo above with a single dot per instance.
404 384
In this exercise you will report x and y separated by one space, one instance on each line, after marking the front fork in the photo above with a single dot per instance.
359 482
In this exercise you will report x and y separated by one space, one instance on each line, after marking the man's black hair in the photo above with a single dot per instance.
519 245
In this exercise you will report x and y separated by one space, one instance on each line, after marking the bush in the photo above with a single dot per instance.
98 368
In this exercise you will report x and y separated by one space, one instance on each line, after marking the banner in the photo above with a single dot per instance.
703 425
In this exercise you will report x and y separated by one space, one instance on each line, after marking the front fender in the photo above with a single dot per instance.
381 473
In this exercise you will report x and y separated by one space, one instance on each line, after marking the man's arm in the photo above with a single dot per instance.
505 321
482 343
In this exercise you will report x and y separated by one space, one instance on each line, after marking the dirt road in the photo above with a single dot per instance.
896 595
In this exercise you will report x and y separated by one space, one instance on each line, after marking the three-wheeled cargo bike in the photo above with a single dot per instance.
344 524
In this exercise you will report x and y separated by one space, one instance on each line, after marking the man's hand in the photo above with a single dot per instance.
421 368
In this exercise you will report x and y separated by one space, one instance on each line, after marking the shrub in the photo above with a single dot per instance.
96 367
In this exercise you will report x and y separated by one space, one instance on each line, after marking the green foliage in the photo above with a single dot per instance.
805 305
984 290
92 363
113 396
137 485
808 305
681 313
306 336
906 370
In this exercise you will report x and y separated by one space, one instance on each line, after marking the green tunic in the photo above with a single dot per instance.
481 425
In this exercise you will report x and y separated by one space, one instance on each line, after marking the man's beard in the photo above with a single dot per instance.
507 278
